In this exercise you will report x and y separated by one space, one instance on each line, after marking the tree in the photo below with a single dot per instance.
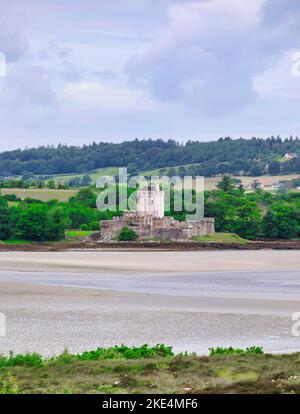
86 180
51 184
205 158
255 170
33 222
5 222
56 224
235 213
39 222
281 222
256 185
26 175
274 168
79 214
127 234
75 182
226 184
86 197
39 184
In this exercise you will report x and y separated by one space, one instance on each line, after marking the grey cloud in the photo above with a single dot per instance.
71 72
27 95
12 45
208 54
105 75
54 49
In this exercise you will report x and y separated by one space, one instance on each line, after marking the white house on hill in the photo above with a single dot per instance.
290 155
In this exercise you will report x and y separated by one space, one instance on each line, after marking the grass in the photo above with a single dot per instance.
17 241
43 194
151 370
222 238
78 233
210 183
95 174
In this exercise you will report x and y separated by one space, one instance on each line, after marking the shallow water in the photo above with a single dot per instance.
280 285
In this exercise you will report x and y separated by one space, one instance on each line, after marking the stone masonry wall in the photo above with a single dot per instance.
147 226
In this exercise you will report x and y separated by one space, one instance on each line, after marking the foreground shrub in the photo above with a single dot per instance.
115 352
127 234
125 352
11 197
30 360
235 351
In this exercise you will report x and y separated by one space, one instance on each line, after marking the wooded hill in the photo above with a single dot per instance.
252 157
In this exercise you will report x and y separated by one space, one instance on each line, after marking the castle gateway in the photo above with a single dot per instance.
148 221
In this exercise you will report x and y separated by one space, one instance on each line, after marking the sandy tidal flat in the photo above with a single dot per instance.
151 261
191 300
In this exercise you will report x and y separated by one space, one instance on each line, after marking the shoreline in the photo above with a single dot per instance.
151 246
95 261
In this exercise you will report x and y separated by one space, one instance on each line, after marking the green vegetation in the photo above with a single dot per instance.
254 215
8 385
235 351
5 223
29 360
115 352
254 157
239 215
36 220
38 194
127 234
39 222
125 352
16 241
77 233
222 238
151 370
85 179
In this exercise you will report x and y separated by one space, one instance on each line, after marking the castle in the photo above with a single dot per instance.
148 221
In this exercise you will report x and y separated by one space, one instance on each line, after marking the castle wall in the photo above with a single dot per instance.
165 228
149 221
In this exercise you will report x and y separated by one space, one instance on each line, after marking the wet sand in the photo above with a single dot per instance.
149 297
151 261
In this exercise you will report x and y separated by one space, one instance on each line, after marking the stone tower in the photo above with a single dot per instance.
150 201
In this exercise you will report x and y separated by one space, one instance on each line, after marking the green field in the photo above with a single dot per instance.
210 183
43 194
73 234
95 174
222 238
17 241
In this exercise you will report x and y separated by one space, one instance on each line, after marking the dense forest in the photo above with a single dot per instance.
251 157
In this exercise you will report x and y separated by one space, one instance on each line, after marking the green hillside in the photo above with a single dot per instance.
95 174
251 157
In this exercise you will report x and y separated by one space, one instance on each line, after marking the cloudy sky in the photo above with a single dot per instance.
78 71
